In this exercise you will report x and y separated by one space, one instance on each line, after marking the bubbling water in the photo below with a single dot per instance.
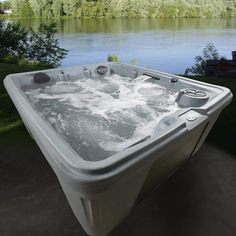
99 117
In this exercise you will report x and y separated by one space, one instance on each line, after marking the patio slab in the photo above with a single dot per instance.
198 200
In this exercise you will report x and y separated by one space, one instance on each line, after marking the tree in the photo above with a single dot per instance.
70 7
6 5
22 8
12 40
28 45
209 52
230 7
125 8
43 47
113 58
57 8
37 7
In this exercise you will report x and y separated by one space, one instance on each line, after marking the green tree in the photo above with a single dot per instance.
70 7
230 8
36 5
42 8
119 8
22 8
12 40
40 46
6 5
209 52
43 47
125 8
113 57
57 8
154 7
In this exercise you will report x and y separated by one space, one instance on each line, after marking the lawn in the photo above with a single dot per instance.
11 126
12 129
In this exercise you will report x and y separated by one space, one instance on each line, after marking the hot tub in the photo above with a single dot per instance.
112 132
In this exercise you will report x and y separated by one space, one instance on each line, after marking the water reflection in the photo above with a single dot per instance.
128 25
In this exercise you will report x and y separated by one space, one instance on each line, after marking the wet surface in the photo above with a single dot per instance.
101 116
199 199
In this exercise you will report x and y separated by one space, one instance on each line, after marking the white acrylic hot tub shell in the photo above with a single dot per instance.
102 193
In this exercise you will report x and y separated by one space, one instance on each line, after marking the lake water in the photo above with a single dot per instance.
164 44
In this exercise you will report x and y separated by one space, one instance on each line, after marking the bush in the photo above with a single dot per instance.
35 47
32 63
209 52
12 40
43 47
133 62
9 59
113 57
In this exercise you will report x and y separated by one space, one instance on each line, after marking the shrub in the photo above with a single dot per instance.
32 46
33 63
209 52
113 57
43 47
9 59
133 62
12 40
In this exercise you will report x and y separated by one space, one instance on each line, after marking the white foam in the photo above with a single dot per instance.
108 114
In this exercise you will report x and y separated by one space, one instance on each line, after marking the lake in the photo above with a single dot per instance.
168 45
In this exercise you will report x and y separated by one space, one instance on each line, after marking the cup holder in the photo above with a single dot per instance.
102 70
41 78
192 98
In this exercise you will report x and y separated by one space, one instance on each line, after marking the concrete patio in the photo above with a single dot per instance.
198 200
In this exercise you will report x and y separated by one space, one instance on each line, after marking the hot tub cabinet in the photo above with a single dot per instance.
103 188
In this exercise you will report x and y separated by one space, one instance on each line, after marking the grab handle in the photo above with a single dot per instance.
140 141
152 76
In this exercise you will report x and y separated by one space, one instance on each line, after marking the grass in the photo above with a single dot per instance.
11 126
12 129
